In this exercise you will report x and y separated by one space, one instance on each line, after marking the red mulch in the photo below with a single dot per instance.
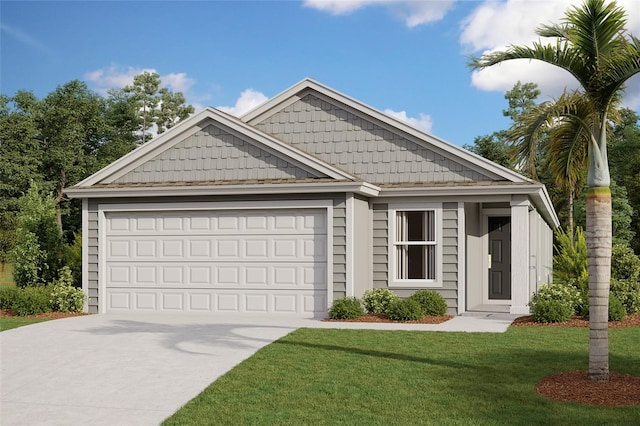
383 318
576 321
575 386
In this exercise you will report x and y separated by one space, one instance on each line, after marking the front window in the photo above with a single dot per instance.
415 245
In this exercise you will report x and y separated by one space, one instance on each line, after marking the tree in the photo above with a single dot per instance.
495 147
72 128
156 106
594 47
38 248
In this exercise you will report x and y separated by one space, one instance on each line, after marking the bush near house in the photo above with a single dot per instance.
346 308
405 310
377 300
555 302
432 302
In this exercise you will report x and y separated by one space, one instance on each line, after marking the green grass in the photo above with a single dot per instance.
6 273
7 323
364 377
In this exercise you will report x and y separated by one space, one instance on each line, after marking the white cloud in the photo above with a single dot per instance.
494 25
248 100
117 77
413 12
423 122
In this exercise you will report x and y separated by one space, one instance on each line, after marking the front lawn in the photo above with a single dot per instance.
354 377
7 323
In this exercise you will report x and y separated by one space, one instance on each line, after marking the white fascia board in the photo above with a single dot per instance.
362 188
477 162
537 192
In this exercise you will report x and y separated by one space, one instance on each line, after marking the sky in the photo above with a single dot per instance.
405 58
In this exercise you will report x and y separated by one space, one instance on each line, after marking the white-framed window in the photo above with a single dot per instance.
415 246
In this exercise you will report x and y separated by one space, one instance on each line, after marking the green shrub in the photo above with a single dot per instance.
64 296
625 264
617 311
582 308
432 303
628 292
377 300
564 294
346 308
29 259
73 258
551 310
8 294
32 300
570 260
404 310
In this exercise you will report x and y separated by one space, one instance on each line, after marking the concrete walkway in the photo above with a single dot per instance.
140 369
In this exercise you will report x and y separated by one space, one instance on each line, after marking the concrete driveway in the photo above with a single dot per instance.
139 369
124 370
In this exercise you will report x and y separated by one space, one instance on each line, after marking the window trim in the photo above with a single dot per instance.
395 282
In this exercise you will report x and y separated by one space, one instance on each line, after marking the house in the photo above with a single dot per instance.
310 197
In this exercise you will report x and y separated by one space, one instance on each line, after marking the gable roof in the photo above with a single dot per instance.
158 151
479 167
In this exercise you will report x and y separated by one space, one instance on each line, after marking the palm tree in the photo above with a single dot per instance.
593 45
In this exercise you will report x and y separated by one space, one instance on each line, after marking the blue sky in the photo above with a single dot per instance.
407 58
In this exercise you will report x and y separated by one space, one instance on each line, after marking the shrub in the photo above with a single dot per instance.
629 294
64 296
551 310
562 293
346 308
432 303
32 300
377 300
404 310
73 258
570 260
625 264
8 294
617 312
28 259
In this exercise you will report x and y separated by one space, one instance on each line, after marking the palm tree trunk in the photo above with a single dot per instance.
598 234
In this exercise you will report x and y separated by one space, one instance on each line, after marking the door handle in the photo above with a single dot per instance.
489 260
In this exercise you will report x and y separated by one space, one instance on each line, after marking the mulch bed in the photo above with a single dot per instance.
383 318
576 321
50 315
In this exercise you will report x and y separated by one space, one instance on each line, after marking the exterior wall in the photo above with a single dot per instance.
449 289
339 235
376 153
541 252
475 269
212 154
361 246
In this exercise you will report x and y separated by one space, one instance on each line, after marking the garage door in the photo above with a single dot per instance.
253 261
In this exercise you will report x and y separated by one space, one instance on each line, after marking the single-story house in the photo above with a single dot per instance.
310 197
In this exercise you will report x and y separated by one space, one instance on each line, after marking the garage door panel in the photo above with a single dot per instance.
256 301
217 261
197 275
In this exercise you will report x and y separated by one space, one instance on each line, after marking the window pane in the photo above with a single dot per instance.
416 262
415 225
431 262
431 225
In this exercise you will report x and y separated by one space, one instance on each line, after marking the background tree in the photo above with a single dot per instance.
594 47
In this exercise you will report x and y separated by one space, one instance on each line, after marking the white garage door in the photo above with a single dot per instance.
261 261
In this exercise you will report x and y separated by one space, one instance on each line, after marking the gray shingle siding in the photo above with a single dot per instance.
360 146
212 154
339 247
93 257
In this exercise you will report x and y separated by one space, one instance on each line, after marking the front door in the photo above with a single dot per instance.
500 257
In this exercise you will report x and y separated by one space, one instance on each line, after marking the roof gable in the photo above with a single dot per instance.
366 142
212 146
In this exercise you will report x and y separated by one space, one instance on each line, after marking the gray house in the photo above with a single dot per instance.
311 197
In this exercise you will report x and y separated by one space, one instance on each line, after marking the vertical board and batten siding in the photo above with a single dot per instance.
339 236
361 146
212 154
449 289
